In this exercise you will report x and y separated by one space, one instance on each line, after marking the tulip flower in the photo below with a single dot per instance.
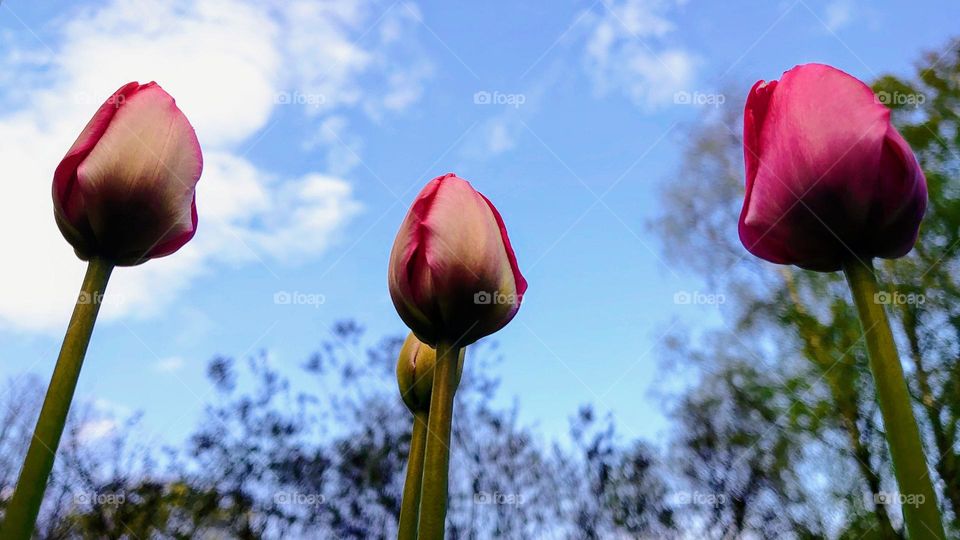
415 379
123 194
454 279
453 275
831 185
828 176
125 190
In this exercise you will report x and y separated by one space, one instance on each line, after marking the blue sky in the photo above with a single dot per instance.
320 122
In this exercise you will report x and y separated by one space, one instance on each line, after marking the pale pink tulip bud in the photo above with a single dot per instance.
453 275
125 190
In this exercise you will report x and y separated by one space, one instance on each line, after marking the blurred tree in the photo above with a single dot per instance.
324 459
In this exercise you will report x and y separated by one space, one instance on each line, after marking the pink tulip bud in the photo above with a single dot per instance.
125 189
828 176
415 373
453 275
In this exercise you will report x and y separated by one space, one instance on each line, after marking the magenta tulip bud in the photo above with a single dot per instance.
828 176
453 275
415 373
125 190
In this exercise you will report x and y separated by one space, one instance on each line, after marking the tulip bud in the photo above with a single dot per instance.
415 373
828 177
453 275
125 190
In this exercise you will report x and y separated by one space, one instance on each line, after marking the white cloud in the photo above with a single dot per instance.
226 62
342 148
510 110
628 50
99 418
110 408
172 364
500 139
494 136
405 87
838 14
95 430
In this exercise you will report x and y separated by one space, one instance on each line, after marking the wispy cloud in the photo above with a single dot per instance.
172 364
838 14
632 48
95 430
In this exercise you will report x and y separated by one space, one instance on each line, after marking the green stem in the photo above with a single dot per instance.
433 500
21 514
917 497
410 507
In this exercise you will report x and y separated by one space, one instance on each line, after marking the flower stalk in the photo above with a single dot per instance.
918 498
436 465
21 514
410 505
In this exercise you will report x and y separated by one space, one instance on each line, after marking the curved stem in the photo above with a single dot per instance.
21 515
433 500
917 497
410 507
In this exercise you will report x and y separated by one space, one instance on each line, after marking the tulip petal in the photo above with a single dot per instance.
520 283
464 243
408 261
139 180
755 112
67 199
904 202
